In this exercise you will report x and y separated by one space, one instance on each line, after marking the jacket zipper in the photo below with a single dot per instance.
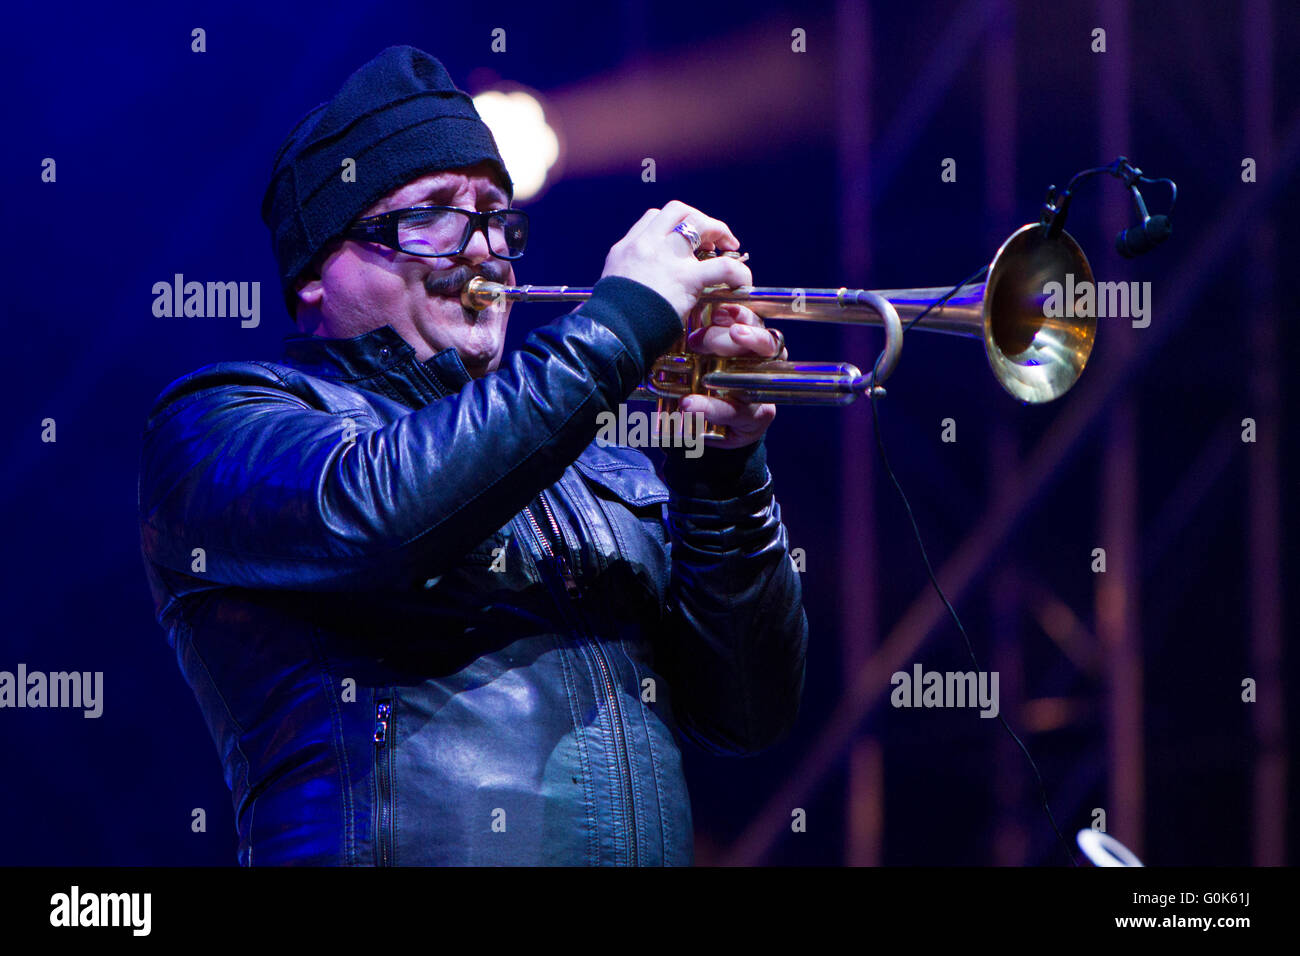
574 592
383 777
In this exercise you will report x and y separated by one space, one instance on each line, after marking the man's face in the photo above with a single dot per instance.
363 286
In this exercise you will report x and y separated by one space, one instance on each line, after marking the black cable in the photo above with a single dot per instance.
973 277
925 558
1173 190
1057 206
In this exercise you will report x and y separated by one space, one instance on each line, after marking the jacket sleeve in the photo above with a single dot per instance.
277 496
737 634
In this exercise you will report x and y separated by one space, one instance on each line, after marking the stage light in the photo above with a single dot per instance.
528 144
1104 850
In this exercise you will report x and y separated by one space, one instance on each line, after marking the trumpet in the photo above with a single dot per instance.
1035 358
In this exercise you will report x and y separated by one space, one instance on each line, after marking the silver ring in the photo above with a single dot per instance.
779 338
689 233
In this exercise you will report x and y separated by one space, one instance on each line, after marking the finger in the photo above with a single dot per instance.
733 340
716 411
742 315
714 233
756 339
640 225
724 314
723 271
673 212
715 340
746 422
731 313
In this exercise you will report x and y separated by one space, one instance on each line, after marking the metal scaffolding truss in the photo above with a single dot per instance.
1106 643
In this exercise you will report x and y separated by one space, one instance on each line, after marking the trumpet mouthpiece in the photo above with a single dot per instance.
480 293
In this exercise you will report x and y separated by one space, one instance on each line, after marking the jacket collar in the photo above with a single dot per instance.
380 361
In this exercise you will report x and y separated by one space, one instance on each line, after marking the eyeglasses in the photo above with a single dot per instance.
444 230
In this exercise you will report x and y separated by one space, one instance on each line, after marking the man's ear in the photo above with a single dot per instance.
308 287
309 290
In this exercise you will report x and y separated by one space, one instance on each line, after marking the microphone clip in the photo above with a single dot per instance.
1055 208
1134 241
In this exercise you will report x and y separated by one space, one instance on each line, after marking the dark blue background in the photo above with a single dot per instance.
162 159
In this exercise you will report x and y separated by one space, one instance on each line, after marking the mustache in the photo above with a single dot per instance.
450 283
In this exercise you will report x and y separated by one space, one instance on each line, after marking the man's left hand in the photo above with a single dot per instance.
735 330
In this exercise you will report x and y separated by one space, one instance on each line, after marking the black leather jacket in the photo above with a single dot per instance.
392 669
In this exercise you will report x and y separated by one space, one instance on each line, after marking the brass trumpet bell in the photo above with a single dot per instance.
1034 357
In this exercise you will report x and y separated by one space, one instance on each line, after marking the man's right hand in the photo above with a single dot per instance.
652 254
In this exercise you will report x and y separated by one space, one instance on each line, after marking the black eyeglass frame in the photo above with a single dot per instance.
382 229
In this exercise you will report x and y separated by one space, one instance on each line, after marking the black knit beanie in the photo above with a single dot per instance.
398 117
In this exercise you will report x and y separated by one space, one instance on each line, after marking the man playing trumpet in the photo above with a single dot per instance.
427 618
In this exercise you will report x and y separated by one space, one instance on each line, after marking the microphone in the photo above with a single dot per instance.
1137 240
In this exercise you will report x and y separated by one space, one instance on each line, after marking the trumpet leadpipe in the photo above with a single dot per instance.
843 306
